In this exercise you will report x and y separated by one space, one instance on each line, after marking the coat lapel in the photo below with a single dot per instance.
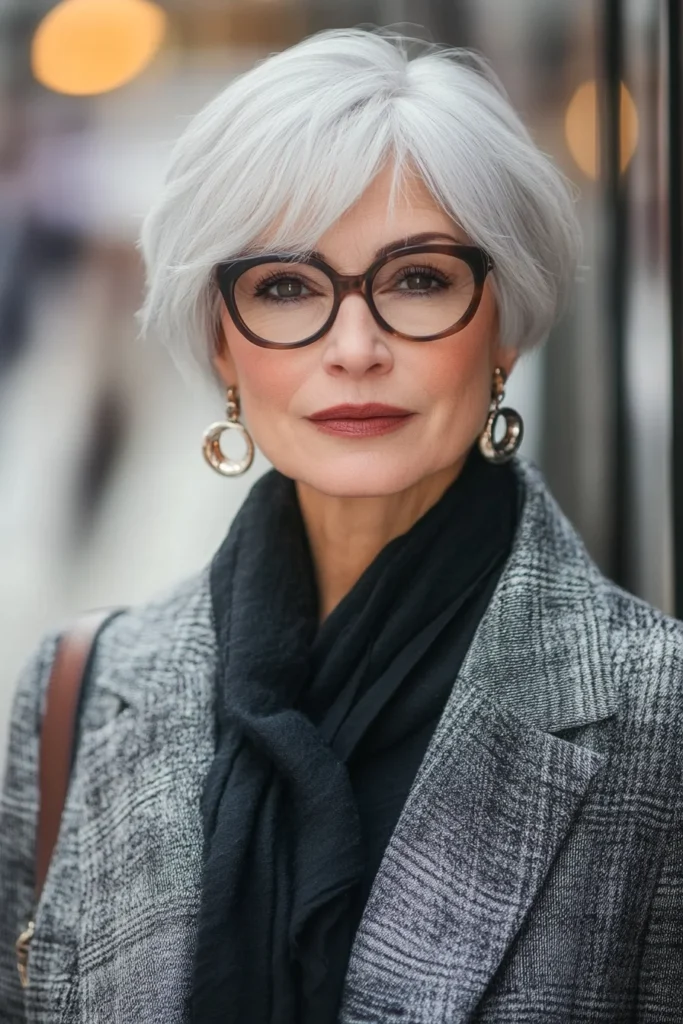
497 792
141 831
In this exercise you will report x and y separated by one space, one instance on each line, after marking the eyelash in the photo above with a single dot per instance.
427 271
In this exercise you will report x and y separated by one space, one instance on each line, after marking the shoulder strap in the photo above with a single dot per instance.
58 731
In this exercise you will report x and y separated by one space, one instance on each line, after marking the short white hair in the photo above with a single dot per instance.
287 147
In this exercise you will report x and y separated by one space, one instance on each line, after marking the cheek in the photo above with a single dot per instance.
268 379
456 376
452 367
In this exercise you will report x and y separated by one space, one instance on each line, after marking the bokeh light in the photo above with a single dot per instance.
84 47
581 128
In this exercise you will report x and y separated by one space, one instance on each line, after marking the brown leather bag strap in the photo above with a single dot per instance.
58 730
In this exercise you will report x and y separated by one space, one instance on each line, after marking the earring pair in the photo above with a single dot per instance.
496 452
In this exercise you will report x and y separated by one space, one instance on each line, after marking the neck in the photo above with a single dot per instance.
347 533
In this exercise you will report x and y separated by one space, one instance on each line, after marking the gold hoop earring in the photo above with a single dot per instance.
212 435
503 450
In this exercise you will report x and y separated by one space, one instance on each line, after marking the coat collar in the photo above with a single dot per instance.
541 650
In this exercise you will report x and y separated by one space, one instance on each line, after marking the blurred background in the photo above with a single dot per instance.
104 495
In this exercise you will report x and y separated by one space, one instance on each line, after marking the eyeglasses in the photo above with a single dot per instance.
419 292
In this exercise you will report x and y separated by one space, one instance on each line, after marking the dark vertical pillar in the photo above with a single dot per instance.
675 128
614 184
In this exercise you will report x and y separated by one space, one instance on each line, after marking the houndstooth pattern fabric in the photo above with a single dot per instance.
536 871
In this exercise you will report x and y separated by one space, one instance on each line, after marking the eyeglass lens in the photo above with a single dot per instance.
416 294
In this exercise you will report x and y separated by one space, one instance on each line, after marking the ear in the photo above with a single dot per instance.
222 358
506 358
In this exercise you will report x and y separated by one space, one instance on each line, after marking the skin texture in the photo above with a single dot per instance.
357 494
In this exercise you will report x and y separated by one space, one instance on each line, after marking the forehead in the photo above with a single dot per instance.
411 198
372 221
379 217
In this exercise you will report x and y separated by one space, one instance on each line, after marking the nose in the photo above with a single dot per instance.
356 344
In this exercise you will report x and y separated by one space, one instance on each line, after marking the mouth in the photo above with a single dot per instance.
367 420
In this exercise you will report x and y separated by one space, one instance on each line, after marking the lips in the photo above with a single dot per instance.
371 410
367 420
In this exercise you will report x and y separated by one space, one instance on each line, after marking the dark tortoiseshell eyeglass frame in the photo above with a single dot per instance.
479 261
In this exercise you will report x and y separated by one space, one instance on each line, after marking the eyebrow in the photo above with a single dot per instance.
400 243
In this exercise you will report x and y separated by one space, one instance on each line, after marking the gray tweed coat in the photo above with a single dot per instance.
535 874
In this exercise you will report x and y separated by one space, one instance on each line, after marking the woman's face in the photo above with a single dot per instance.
444 384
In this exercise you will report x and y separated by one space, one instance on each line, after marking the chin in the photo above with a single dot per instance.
360 476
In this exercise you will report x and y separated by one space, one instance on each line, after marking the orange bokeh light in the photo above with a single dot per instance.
83 47
581 128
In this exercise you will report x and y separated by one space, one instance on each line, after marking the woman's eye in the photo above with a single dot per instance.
419 281
288 289
283 288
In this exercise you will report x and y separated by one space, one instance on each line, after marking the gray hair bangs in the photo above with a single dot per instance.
287 147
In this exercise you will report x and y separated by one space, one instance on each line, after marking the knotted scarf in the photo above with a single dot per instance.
285 855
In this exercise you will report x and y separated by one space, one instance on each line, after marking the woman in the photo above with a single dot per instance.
399 751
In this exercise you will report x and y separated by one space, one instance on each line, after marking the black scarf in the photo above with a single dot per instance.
285 856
